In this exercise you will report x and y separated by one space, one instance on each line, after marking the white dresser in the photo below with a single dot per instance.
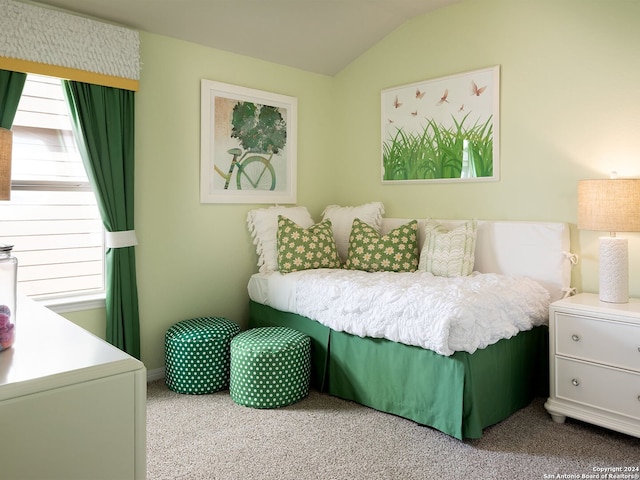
71 405
594 352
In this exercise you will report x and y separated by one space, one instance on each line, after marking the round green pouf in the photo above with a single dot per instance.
197 355
270 367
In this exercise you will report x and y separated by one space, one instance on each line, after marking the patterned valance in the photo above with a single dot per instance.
52 42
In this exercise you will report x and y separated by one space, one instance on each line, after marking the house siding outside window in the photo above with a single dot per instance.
52 218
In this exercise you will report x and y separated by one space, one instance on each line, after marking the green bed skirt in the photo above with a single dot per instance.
459 395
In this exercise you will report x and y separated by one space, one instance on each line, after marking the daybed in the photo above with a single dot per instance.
459 393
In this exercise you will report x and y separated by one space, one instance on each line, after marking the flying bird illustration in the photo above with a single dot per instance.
461 109
419 94
415 113
475 90
443 99
397 103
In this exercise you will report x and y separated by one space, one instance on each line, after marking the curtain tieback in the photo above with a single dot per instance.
126 238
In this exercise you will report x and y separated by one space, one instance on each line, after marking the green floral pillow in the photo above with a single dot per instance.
304 249
397 251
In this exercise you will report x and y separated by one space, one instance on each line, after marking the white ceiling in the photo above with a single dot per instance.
321 36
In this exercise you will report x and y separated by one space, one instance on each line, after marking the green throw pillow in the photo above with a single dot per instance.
449 253
397 251
304 249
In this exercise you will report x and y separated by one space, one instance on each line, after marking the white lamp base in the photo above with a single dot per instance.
614 270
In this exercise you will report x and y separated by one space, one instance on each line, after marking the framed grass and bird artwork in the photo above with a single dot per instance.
442 130
247 145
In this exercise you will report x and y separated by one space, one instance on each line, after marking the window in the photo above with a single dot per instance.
52 218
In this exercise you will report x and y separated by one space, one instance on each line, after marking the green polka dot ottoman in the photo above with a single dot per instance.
270 367
197 355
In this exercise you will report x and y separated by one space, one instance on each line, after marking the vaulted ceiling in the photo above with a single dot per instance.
321 36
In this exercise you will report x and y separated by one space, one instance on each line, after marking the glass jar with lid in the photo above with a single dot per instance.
8 280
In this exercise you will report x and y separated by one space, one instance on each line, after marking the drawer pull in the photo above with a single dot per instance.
575 338
575 382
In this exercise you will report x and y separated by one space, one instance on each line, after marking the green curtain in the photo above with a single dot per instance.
11 85
103 123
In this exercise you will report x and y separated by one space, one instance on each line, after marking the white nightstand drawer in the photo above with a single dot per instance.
602 341
605 388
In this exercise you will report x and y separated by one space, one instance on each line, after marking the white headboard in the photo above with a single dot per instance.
538 250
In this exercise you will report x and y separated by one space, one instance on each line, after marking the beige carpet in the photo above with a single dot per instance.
209 437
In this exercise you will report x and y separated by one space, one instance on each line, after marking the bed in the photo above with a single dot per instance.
461 392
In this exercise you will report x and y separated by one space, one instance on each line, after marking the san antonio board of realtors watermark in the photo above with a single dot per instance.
625 472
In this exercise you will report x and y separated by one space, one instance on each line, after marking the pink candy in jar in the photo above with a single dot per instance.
7 328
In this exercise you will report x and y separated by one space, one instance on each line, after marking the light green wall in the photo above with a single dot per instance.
93 320
570 109
195 259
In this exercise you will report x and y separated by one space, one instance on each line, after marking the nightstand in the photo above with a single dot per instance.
594 359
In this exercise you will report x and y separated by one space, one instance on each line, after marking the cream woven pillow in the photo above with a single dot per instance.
263 226
448 253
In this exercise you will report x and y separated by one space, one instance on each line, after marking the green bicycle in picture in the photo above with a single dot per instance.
262 132
253 171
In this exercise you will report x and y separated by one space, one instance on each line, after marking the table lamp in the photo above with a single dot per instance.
6 140
611 205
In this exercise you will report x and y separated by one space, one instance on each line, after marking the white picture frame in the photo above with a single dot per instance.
248 151
445 129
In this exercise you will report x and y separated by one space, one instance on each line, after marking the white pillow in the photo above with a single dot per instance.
448 253
263 226
342 219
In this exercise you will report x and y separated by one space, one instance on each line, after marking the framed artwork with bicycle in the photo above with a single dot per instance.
248 145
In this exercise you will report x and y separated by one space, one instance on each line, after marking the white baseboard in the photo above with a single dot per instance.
155 374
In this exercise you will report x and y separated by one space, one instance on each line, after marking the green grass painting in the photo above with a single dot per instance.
442 129
438 152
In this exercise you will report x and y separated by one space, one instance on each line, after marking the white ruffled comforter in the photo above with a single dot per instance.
440 314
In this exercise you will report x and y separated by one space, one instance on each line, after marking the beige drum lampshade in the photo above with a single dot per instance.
609 205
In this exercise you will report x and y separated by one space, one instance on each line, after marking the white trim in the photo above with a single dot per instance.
74 304
155 374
